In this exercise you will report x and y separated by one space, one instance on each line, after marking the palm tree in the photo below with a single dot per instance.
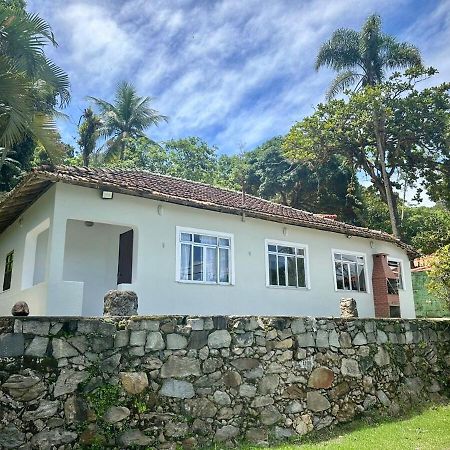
128 117
89 133
31 85
362 58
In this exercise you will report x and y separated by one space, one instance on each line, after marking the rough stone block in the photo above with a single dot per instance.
120 303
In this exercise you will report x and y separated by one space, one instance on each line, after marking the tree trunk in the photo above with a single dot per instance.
4 154
380 133
85 158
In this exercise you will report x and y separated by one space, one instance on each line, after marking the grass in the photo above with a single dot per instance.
428 429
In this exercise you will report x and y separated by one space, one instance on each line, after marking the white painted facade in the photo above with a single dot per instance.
63 266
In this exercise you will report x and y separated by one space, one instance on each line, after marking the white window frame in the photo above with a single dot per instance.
304 247
366 269
402 276
218 234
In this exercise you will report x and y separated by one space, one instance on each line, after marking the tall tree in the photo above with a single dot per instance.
326 188
362 58
191 158
381 129
31 85
127 117
88 134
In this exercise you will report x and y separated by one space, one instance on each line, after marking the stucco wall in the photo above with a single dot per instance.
13 238
155 269
91 255
164 382
154 276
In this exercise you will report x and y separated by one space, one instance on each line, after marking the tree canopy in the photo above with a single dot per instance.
362 58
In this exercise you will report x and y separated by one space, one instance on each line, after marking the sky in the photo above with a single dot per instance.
234 73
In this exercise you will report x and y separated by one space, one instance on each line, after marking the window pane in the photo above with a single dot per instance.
281 271
198 264
186 263
353 277
360 259
273 279
350 258
202 239
224 242
346 275
301 276
292 271
300 251
339 275
224 265
337 256
362 278
288 250
272 248
186 237
211 264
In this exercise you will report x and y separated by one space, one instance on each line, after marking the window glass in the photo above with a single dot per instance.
301 277
204 258
286 265
281 271
273 277
396 267
292 271
339 275
198 263
350 272
186 262
224 242
224 265
211 264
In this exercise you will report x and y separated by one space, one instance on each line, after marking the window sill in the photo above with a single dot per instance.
289 288
204 283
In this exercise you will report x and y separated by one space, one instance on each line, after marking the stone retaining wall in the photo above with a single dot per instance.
158 382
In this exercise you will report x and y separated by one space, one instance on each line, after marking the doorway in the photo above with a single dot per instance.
125 262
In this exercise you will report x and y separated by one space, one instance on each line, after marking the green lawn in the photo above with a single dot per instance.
428 429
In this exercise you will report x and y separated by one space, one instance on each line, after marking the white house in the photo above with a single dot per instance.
70 234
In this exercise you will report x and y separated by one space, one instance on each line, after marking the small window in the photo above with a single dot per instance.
394 284
350 271
394 311
204 258
8 271
286 265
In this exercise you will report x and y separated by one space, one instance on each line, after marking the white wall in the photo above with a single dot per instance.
154 265
13 238
91 255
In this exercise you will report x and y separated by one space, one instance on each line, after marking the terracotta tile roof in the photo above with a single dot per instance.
174 190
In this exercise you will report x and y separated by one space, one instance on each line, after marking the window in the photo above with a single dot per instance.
394 284
350 271
204 257
8 271
286 264
394 311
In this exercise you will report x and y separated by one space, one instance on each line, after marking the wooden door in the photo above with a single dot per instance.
125 265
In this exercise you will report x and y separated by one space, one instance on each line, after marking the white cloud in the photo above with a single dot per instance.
227 71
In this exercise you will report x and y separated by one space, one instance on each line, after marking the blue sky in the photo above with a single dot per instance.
232 72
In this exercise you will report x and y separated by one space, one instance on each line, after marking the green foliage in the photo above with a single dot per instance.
191 158
103 398
89 133
439 274
353 128
30 84
329 188
362 58
127 117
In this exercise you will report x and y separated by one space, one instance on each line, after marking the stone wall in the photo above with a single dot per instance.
158 382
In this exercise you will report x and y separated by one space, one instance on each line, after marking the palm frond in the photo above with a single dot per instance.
399 55
340 52
45 131
344 80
